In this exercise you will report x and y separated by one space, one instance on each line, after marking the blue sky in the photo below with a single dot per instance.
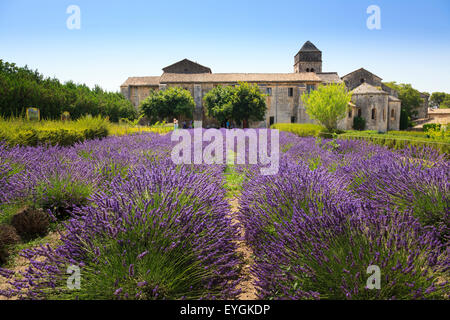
119 39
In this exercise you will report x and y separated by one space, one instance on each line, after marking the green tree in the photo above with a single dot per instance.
248 103
440 100
172 102
218 103
21 88
328 104
437 98
242 103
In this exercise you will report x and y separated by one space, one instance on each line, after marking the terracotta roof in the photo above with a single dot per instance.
329 77
236 77
366 88
141 81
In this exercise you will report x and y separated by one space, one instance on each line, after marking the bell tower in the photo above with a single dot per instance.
308 59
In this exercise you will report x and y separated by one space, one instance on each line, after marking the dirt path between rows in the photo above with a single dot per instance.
20 264
247 285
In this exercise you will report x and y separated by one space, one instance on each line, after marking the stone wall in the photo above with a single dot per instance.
306 66
358 77
376 102
394 115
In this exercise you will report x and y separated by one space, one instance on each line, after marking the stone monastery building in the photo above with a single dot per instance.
373 101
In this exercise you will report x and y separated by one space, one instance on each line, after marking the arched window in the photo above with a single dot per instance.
362 80
392 114
312 69
359 112
307 69
374 114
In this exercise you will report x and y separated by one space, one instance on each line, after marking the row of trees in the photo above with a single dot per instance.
21 88
242 103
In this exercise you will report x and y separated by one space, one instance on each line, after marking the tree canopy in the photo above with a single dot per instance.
244 102
328 104
169 103
440 100
21 88
218 103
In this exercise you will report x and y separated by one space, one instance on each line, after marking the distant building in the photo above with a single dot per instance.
284 90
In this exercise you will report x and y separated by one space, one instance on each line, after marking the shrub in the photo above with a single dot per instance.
158 235
62 195
359 123
16 131
431 126
300 129
327 257
8 236
31 223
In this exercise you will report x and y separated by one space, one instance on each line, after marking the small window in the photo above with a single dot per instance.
362 80
290 92
384 115
309 87
272 120
359 113
392 114
312 69
350 114
374 114
293 119
269 91
307 69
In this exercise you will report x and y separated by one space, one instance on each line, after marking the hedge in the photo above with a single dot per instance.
16 131
397 142
300 129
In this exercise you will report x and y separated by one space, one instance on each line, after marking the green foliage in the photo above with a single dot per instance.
233 181
440 100
300 129
400 139
431 126
21 88
218 103
61 195
17 131
328 104
248 103
172 102
405 119
359 123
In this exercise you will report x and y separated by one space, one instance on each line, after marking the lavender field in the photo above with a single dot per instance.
139 226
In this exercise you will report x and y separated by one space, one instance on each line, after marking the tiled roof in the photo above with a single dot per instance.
141 81
361 69
236 77
329 77
366 88
392 98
